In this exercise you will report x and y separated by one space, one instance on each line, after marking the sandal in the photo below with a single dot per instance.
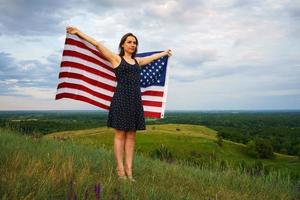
131 178
121 177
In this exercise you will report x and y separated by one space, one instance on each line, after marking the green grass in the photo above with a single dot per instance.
190 141
44 169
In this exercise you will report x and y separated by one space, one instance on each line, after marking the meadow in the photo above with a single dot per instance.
59 155
188 144
282 128
44 168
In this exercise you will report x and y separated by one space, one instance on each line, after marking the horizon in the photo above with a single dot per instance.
104 111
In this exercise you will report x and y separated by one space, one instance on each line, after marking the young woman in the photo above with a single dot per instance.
126 114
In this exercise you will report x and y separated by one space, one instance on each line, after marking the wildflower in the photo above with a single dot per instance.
97 191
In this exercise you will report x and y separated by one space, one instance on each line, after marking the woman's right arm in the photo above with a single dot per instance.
110 56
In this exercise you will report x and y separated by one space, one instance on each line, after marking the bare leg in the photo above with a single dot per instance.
119 142
129 151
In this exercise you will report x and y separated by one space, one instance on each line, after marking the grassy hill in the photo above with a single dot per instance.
43 168
185 143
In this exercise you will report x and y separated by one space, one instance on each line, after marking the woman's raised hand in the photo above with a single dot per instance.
168 52
72 30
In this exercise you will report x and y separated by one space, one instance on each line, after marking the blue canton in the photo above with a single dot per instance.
154 73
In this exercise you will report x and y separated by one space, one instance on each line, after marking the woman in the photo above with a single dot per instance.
126 113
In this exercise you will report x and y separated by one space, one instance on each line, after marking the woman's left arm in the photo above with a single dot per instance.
148 59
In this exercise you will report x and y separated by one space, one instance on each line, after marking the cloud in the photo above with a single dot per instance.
245 50
21 76
34 17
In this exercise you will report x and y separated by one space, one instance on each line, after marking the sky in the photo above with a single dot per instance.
227 55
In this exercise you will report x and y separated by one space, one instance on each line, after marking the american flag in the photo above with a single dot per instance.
85 75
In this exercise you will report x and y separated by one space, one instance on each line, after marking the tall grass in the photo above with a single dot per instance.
35 168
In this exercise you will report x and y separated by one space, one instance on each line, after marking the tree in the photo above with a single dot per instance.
260 148
220 140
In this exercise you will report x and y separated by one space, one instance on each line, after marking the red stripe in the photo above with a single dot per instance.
84 46
152 103
85 89
151 114
81 98
87 58
88 69
95 103
86 79
153 93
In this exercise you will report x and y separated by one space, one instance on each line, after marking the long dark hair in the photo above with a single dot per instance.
123 39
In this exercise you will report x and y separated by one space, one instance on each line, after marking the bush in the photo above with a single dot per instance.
260 148
220 141
298 150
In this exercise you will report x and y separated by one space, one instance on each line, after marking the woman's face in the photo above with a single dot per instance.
129 45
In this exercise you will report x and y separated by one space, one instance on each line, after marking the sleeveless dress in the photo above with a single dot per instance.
126 110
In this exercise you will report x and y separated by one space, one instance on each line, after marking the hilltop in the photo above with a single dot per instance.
41 168
185 143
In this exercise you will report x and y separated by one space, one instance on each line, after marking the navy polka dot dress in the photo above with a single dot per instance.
126 110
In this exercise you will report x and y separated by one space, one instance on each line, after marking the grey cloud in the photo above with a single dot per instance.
27 73
246 3
293 11
204 73
176 15
196 57
5 61
31 17
35 17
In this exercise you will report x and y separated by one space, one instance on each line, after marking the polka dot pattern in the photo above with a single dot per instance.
126 110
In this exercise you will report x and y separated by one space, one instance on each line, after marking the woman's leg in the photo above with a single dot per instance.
119 142
129 151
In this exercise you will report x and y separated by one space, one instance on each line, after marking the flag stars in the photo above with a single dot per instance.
153 73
